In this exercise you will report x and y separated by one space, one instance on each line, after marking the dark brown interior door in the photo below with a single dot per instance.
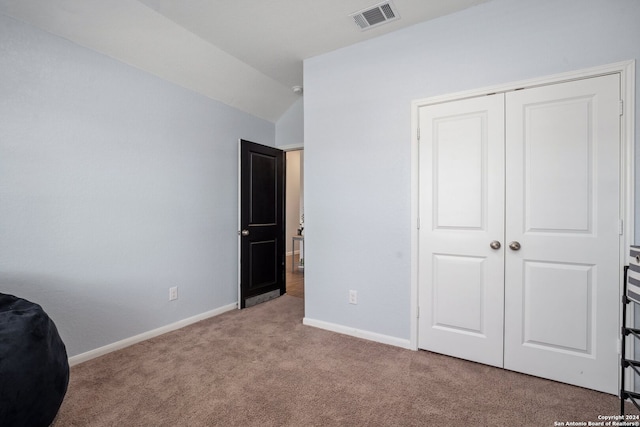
262 223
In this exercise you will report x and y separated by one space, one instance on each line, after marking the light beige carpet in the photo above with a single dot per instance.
262 367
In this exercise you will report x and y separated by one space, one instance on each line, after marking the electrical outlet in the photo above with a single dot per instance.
353 297
173 293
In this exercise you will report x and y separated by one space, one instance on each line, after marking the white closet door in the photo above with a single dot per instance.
461 212
562 285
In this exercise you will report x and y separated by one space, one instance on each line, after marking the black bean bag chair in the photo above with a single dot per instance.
34 370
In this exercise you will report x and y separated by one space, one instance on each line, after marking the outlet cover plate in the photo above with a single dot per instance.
353 297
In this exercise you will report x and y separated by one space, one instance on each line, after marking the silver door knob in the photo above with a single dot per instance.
495 244
514 246
244 232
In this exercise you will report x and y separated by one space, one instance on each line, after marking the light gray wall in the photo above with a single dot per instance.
114 186
290 127
290 132
357 108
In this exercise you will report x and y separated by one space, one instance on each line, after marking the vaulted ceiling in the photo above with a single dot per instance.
245 53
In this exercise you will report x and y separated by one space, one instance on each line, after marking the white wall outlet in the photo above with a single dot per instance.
173 293
353 297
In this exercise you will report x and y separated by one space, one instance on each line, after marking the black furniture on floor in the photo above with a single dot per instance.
34 369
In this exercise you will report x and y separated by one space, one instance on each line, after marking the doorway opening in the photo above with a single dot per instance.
294 228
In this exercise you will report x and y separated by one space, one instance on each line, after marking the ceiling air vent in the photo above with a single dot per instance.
375 15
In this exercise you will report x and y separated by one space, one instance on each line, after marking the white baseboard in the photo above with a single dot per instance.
358 333
101 351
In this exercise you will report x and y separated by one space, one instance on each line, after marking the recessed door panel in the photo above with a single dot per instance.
263 260
548 320
459 167
558 163
458 281
263 190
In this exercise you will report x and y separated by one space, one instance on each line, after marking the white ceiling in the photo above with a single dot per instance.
245 53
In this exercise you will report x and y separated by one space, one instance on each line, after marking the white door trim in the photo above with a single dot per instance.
627 170
291 147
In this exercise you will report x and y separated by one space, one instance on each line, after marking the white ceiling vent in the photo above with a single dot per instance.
375 15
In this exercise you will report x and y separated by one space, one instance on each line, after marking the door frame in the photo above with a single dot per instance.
626 69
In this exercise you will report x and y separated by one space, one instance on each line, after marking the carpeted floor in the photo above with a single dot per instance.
262 367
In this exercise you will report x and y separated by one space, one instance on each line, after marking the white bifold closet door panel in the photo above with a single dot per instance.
461 212
519 235
562 287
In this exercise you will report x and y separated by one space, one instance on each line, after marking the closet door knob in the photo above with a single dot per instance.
514 246
495 244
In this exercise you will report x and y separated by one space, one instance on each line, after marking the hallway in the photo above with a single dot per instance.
294 279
